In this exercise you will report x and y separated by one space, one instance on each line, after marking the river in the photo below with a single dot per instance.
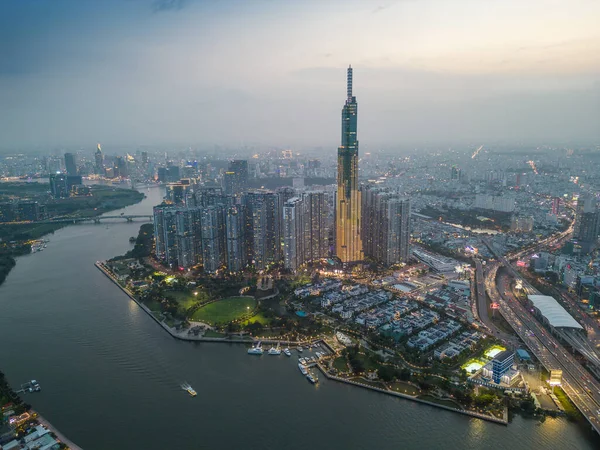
110 375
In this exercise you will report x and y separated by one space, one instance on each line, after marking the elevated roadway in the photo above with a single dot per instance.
578 384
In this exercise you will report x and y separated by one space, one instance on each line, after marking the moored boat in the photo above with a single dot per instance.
256 350
312 378
302 369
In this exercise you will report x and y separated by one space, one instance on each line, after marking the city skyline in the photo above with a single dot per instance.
161 72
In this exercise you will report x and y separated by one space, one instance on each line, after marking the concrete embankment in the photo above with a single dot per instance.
414 399
61 437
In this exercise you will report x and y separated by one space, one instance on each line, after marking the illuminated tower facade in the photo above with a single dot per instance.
348 204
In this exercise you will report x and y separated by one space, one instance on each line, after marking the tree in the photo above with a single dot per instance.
386 373
357 365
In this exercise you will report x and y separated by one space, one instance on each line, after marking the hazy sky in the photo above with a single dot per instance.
77 72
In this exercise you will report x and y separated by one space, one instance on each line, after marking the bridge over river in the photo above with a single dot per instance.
95 219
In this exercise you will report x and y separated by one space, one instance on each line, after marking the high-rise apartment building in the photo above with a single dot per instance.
213 238
317 225
386 226
263 232
165 234
235 230
293 233
305 229
235 180
587 223
348 203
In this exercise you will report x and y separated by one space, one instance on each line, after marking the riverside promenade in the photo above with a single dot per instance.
475 414
185 337
61 437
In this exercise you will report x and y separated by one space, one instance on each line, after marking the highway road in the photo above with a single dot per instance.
578 384
483 310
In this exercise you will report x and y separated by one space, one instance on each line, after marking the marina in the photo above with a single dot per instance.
30 386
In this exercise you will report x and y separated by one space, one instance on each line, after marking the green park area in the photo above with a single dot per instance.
224 311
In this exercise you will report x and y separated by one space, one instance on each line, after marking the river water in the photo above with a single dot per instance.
110 375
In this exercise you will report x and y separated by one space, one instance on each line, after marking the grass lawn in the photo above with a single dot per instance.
258 318
570 410
153 305
224 311
340 364
432 399
213 334
404 388
185 299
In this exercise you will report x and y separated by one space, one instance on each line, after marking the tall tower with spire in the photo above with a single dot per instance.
348 242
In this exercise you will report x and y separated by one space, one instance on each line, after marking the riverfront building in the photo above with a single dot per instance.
385 226
348 203
501 364
262 228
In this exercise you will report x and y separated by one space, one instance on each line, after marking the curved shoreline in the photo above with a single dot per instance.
61 437
100 266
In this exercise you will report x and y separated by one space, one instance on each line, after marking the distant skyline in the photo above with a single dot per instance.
154 72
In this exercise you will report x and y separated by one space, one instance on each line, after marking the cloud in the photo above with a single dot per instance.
168 5
380 8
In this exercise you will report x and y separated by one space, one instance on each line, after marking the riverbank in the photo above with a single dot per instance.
15 238
59 435
503 421
181 336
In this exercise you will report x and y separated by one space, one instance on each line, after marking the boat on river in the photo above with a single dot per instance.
189 389
256 350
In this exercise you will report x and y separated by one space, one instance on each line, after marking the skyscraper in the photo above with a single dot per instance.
293 233
587 223
348 204
305 229
235 238
213 238
58 185
99 161
386 226
236 178
262 228
70 164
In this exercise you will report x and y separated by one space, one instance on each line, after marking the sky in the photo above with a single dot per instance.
272 72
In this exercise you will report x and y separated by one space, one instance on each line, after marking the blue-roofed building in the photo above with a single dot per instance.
523 355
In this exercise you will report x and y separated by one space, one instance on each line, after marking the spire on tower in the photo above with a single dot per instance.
349 83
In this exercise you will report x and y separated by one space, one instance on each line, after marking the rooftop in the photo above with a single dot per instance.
556 315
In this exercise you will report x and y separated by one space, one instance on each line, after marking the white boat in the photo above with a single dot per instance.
256 350
302 369
312 379
275 350
287 352
300 350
